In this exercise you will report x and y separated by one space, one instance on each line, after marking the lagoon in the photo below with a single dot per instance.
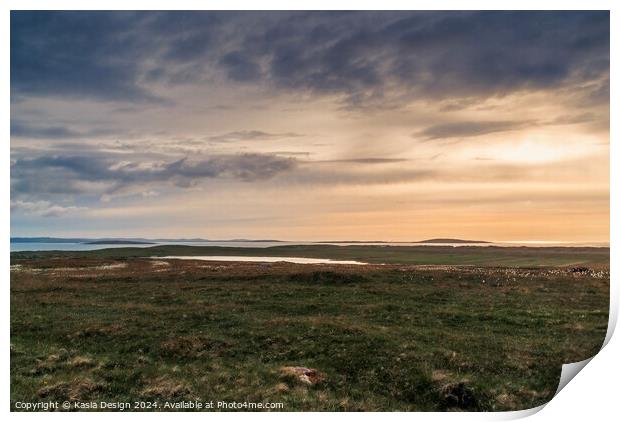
295 260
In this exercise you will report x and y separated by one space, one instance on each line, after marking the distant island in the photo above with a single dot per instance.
355 241
131 240
119 242
48 240
143 241
439 240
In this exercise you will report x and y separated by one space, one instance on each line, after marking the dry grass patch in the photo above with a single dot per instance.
78 389
506 400
190 346
166 389
49 364
81 362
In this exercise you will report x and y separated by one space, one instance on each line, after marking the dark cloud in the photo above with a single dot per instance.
596 93
468 129
239 67
22 129
250 135
330 174
293 153
459 104
70 174
78 55
573 119
366 160
362 57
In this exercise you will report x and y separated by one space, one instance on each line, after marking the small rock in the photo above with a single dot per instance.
306 375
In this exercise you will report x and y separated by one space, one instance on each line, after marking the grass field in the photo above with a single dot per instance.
426 255
110 326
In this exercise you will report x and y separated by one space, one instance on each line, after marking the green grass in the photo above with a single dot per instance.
383 337
429 255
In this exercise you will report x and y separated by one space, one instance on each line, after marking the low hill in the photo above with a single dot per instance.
440 240
118 242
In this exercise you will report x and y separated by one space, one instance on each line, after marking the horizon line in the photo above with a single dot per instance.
240 239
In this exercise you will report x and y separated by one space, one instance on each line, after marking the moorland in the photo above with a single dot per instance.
418 328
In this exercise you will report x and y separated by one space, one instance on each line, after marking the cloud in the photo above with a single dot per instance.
293 153
366 160
251 135
331 174
363 58
43 208
101 173
78 55
239 67
468 129
22 129
572 119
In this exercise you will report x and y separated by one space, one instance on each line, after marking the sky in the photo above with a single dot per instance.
311 125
